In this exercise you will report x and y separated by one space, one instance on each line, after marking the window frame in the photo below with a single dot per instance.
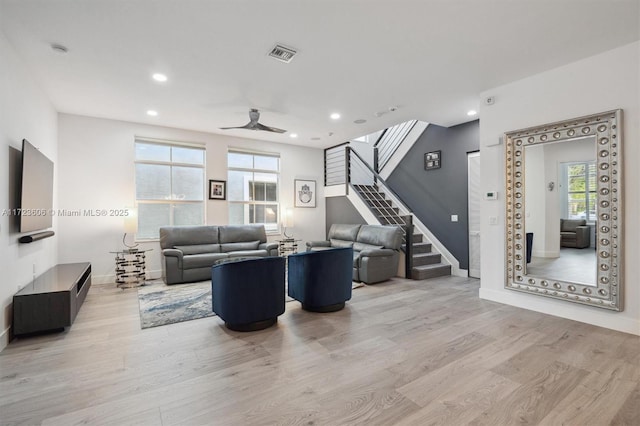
171 202
590 180
268 229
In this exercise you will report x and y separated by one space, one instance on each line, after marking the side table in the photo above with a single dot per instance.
287 246
130 268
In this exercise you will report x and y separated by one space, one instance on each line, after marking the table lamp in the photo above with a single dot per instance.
287 221
130 227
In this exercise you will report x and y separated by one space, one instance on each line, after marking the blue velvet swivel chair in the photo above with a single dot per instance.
321 280
249 294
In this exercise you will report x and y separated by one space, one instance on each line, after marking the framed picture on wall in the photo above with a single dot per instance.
304 193
432 160
217 189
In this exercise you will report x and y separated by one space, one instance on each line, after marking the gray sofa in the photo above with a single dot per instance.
189 252
376 249
575 233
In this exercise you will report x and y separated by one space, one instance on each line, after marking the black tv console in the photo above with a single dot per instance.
52 300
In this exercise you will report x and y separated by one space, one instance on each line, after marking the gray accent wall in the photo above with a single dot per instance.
340 210
435 195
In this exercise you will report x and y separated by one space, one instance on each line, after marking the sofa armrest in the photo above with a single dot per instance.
268 246
172 266
173 253
377 252
312 244
271 248
583 236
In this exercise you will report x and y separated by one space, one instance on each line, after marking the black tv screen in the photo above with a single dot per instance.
36 195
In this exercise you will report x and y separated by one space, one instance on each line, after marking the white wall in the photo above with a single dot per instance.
603 82
25 112
96 171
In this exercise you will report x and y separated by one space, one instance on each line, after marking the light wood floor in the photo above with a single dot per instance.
573 265
401 352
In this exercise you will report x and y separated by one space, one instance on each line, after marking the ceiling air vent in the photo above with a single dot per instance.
282 53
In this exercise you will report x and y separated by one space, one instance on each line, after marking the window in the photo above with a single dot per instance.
169 186
580 195
253 188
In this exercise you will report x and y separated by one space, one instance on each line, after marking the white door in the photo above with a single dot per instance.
473 186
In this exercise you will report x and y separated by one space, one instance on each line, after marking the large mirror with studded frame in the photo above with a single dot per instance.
564 210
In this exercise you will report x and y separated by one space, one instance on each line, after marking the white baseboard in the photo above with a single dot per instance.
457 272
4 338
558 308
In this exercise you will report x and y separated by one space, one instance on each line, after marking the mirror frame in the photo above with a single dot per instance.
607 129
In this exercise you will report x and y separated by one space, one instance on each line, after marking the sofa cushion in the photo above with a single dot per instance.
341 243
570 225
201 260
199 248
248 253
248 245
362 246
388 236
343 232
242 233
171 236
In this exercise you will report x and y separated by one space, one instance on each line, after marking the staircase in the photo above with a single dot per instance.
425 263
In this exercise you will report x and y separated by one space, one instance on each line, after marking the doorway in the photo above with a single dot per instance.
473 206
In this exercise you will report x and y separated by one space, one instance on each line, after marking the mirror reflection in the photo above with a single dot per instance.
561 207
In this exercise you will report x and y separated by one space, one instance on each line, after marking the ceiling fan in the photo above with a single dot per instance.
254 116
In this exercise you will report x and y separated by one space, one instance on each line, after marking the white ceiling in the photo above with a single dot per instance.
430 58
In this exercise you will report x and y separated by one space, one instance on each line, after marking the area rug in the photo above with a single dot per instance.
162 304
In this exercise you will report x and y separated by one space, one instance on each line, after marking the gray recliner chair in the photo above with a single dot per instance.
575 233
376 249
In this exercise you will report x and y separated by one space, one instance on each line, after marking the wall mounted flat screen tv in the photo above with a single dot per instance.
36 194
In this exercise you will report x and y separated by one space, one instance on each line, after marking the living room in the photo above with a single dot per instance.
94 169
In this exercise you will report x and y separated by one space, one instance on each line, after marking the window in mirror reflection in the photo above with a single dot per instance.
579 195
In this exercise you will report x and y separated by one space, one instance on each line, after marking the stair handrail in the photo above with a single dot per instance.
389 142
377 178
326 173
408 226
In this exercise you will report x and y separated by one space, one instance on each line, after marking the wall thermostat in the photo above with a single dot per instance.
491 195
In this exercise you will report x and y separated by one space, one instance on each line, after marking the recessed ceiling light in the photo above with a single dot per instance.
159 77
360 121
152 113
293 135
472 112
335 116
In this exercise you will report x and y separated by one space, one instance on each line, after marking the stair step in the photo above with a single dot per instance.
426 259
430 271
421 248
417 238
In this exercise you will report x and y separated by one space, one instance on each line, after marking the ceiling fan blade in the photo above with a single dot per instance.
269 129
248 126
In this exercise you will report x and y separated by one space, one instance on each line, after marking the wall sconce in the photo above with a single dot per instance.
287 221
550 186
130 226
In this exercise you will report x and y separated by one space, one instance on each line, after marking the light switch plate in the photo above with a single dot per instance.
454 218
